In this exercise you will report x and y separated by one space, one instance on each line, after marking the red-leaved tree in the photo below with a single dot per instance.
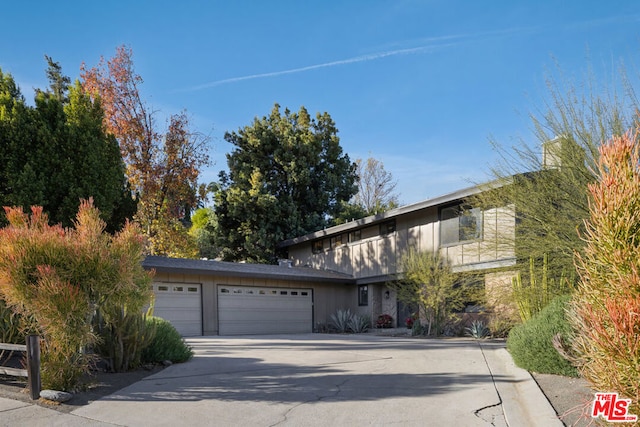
162 167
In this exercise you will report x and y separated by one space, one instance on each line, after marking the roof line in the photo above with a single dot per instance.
369 220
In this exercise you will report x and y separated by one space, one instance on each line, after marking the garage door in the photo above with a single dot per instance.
246 310
180 304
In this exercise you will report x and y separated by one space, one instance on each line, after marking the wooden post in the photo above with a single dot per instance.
33 365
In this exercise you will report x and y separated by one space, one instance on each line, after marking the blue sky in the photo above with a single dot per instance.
419 85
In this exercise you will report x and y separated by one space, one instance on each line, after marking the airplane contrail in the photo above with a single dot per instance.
434 44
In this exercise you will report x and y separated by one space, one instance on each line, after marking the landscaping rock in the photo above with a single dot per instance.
167 363
56 396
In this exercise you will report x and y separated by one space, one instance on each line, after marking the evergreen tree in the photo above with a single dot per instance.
57 152
287 177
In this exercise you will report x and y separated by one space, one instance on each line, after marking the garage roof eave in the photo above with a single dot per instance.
232 269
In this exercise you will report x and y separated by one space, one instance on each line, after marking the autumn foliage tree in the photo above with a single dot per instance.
606 303
162 167
61 277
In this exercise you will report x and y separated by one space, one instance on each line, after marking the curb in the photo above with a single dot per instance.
523 402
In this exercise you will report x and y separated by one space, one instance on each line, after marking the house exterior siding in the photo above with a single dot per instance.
378 255
327 297
342 263
371 249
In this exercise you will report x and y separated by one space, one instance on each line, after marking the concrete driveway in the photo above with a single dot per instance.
330 380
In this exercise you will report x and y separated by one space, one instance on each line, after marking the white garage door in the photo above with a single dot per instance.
262 310
180 304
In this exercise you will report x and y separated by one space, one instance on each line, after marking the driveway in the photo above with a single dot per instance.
330 380
334 380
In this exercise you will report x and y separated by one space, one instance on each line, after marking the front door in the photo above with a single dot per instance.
404 312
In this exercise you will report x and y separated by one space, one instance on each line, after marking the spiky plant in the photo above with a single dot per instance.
606 305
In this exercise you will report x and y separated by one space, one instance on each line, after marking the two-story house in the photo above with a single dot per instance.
346 266
370 249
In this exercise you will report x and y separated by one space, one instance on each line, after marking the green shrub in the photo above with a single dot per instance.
57 278
123 338
530 344
10 326
167 344
536 290
417 329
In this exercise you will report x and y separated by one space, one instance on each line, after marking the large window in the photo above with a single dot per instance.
460 224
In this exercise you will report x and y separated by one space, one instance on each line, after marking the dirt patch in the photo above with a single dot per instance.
97 385
570 397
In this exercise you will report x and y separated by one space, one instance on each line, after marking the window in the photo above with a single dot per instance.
355 235
363 295
318 246
387 227
336 241
460 224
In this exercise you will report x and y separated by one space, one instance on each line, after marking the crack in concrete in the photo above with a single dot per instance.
319 398
492 414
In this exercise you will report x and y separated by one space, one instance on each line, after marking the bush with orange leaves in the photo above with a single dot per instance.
606 304
61 277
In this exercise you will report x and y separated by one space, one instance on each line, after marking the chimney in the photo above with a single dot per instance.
284 263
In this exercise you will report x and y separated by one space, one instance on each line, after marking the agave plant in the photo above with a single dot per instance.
477 330
340 321
358 324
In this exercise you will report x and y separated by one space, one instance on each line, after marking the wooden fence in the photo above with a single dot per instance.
32 348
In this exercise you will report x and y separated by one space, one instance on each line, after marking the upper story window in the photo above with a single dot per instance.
355 235
318 246
387 227
337 241
460 224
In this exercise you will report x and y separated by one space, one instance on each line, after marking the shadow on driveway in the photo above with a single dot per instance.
318 368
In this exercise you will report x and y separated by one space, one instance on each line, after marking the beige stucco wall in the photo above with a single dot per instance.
499 291
327 298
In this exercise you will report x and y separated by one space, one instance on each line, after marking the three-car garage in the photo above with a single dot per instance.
201 297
